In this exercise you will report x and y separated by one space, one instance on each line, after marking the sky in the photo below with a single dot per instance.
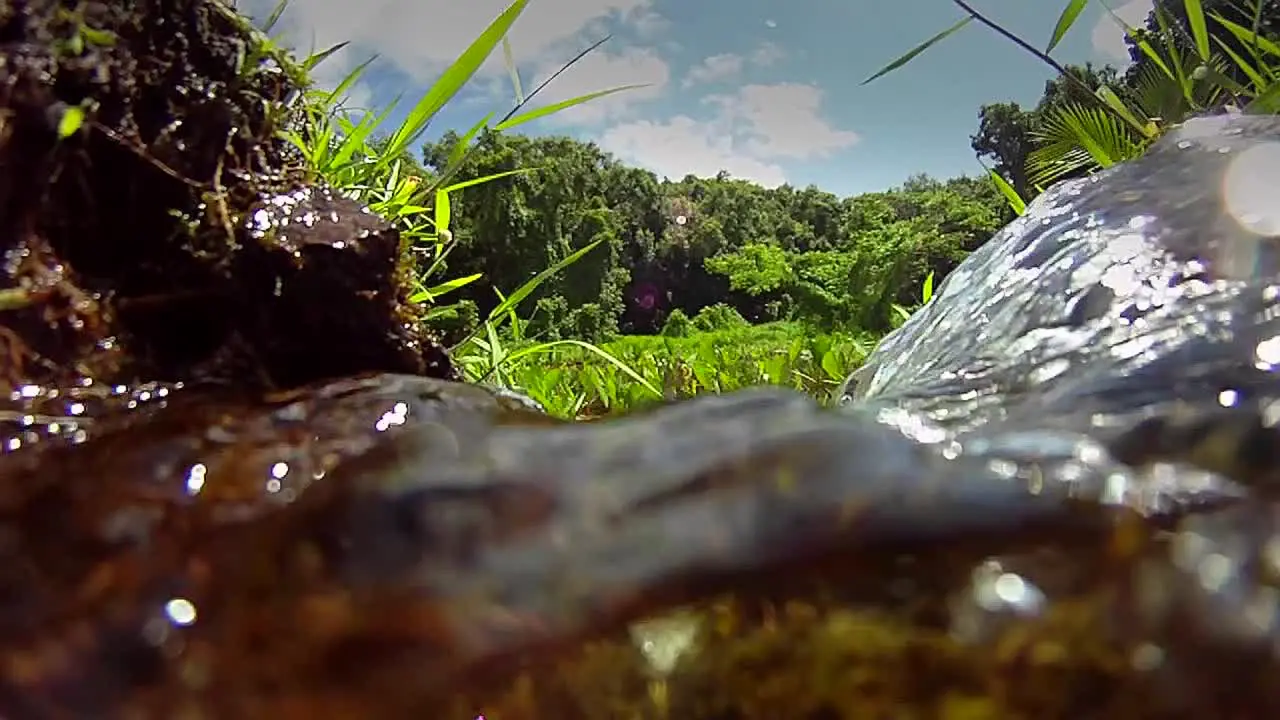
766 90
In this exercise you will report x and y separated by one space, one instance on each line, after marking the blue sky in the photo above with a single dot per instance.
764 89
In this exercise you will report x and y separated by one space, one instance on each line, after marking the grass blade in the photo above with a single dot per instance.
1260 83
488 178
443 211
598 351
1195 19
1010 194
1248 37
508 59
444 288
1118 106
919 49
557 107
524 290
269 24
348 81
451 81
315 59
1065 21
458 154
1266 102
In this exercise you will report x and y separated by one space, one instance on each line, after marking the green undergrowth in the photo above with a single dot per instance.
579 380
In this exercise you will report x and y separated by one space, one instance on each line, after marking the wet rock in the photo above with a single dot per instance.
1059 511
306 248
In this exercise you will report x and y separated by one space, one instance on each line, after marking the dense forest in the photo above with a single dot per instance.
785 253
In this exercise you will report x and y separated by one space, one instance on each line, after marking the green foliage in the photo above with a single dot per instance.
342 147
677 325
574 382
1192 56
756 269
769 254
720 316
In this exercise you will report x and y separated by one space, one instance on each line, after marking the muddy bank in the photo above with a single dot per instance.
173 237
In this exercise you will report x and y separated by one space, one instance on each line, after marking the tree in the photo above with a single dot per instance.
676 248
1004 139
1007 133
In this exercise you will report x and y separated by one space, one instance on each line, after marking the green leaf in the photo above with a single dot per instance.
315 59
348 81
274 17
71 121
1065 21
442 211
1267 101
444 288
557 107
927 291
509 60
524 290
357 139
452 80
900 313
919 49
1010 194
1075 138
487 178
1207 72
1248 37
1260 83
458 154
1175 57
1195 18
832 365
1117 105
600 352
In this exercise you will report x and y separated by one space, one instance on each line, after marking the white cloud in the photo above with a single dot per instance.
767 54
750 133
717 68
1108 35
602 70
783 121
684 146
420 37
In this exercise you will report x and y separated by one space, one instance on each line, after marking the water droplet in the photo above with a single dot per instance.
181 611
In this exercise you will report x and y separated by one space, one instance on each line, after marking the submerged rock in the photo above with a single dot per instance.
1048 495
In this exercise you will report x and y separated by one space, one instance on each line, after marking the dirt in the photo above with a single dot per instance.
129 251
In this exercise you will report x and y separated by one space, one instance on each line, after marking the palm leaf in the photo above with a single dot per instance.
1157 95
1076 139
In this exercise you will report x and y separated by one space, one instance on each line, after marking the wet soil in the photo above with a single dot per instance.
135 249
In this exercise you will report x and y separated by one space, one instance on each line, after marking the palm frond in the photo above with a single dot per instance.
1076 139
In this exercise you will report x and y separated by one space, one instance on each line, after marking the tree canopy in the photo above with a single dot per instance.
788 253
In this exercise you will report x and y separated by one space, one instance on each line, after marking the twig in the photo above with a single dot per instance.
1044 57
